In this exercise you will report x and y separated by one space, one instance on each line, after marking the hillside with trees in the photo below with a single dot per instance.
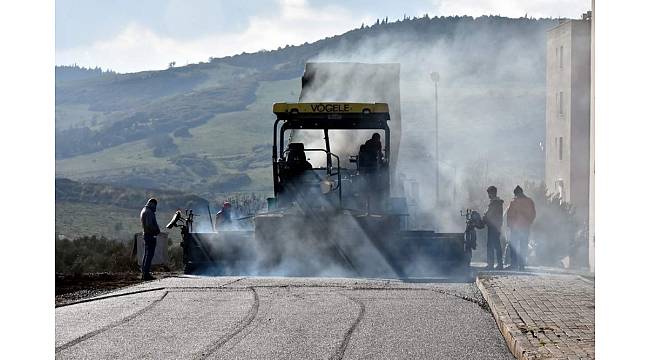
206 127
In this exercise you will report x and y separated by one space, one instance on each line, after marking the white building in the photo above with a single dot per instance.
568 102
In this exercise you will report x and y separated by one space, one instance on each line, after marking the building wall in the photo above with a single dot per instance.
558 87
567 113
580 117
592 147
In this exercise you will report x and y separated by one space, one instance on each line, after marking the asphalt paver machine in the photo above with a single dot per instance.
335 216
336 207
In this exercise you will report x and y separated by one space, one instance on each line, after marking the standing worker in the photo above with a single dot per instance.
373 146
224 216
371 161
520 216
150 230
493 218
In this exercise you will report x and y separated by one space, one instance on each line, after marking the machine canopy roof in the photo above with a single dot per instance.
280 109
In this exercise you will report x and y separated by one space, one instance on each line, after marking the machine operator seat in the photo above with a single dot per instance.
296 158
295 172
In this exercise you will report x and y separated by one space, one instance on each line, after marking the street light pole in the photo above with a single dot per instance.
453 180
435 77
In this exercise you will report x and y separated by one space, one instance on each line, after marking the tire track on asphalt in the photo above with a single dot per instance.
110 326
250 316
231 282
108 297
340 351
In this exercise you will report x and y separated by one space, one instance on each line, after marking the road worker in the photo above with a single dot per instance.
224 216
519 217
493 218
150 230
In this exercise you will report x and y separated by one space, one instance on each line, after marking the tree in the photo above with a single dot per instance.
162 145
172 64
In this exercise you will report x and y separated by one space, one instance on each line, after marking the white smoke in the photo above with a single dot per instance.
499 93
491 103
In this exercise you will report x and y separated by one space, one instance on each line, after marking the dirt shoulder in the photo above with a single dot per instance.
74 287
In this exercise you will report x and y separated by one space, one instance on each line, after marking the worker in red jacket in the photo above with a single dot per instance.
224 217
519 218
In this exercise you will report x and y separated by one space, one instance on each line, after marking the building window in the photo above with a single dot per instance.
561 57
560 105
559 152
559 188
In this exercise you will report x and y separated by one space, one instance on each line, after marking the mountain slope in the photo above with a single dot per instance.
207 127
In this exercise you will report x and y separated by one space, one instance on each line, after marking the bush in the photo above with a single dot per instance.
554 231
230 182
90 254
175 253
162 145
201 166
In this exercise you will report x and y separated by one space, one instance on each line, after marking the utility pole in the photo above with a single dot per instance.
435 77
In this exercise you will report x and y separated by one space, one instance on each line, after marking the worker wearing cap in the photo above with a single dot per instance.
224 216
150 230
493 218
520 216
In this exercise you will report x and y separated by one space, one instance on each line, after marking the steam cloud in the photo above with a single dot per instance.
491 112
491 122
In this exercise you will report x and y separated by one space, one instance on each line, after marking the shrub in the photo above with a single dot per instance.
162 145
554 230
175 254
92 254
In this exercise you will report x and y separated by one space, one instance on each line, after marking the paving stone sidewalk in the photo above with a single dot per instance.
543 316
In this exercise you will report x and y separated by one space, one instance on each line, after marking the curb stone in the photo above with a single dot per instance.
547 316
519 345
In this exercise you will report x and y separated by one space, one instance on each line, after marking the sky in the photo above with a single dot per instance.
130 36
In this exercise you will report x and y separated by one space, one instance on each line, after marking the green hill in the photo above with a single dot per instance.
86 209
206 128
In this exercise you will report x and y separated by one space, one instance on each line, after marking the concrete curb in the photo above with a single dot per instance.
517 342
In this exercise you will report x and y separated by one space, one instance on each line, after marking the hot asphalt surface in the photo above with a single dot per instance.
287 318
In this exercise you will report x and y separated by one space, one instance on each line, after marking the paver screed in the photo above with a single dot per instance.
543 316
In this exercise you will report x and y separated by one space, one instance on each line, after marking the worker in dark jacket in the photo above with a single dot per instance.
150 230
493 218
520 216
373 146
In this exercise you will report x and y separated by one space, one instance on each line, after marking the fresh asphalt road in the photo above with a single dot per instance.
281 318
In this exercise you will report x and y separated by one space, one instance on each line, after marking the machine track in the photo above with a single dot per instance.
250 316
110 326
340 351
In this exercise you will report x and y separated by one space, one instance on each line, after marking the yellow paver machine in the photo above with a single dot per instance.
332 213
